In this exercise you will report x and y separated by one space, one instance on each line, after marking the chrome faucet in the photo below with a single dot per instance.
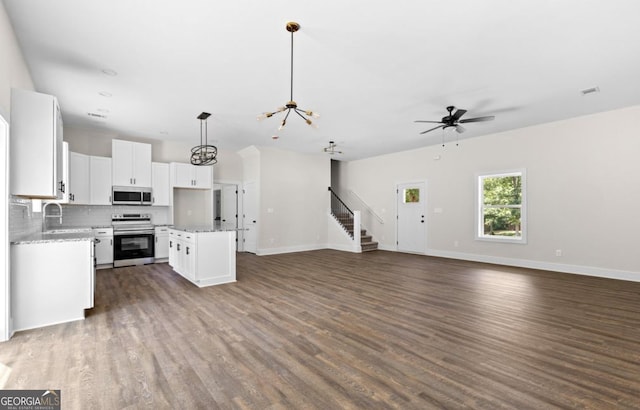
45 216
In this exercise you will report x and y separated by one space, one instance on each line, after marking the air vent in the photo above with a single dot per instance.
93 114
591 90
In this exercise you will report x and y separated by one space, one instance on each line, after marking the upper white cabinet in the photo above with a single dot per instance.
100 186
160 183
191 176
131 163
36 145
79 193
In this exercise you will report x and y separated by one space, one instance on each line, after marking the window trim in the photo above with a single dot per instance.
522 172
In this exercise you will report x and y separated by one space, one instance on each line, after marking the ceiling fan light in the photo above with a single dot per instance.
282 124
311 123
312 114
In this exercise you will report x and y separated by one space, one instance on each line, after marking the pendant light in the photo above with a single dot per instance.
306 115
204 154
331 149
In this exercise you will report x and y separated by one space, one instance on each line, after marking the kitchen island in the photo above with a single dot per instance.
202 255
52 278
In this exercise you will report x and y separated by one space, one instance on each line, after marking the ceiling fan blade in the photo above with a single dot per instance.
456 116
434 128
432 122
479 119
460 129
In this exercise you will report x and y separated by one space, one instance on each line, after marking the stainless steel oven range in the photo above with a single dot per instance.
133 239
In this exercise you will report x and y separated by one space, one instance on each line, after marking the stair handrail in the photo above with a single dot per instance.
340 209
368 208
334 195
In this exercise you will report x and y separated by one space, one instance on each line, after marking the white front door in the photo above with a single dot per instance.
250 217
411 222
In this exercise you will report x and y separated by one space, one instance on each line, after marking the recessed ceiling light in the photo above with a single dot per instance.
105 94
94 115
591 90
110 72
275 137
164 133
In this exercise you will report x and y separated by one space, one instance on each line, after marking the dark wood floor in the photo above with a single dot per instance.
333 330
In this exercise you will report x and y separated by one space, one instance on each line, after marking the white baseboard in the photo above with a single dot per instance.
290 249
521 263
553 267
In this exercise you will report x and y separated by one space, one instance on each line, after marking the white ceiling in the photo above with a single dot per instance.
369 67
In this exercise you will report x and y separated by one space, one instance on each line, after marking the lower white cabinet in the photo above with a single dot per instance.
162 243
51 282
104 246
204 258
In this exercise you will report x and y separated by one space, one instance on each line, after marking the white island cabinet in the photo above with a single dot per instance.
51 282
204 257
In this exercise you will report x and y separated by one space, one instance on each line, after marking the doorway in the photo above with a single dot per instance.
411 222
250 217
226 203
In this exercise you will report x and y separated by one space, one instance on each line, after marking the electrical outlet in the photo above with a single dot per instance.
558 252
455 244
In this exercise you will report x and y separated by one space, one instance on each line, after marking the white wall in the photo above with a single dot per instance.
293 201
13 73
583 178
13 69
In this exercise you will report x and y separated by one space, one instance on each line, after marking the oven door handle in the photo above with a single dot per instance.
120 233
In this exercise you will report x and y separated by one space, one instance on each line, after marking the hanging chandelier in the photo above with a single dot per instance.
306 115
203 154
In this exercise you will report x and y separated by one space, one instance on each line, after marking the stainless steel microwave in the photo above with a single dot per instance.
130 195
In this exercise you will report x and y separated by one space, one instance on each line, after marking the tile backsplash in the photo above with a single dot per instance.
23 221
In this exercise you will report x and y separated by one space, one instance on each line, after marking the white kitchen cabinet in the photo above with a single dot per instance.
131 163
51 282
191 176
160 183
79 193
104 246
174 237
100 177
65 175
36 145
162 243
204 258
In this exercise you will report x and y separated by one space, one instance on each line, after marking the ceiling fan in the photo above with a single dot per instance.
453 120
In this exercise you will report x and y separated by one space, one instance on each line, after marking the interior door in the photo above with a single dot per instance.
229 207
250 217
4 233
411 222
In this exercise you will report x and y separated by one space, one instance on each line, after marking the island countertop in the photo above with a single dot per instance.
65 235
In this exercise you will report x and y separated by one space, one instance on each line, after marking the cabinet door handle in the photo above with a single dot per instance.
187 250
170 244
178 247
62 186
111 242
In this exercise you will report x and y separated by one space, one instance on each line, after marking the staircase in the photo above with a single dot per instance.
344 216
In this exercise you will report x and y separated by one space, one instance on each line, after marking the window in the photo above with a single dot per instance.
411 195
502 207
